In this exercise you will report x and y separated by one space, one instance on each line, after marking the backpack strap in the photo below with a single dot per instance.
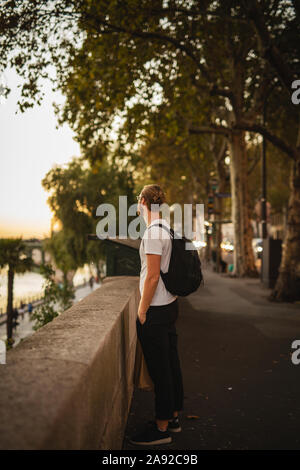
171 231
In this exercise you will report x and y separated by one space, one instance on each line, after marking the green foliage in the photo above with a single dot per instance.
181 168
9 342
65 250
76 190
13 253
153 64
57 298
168 66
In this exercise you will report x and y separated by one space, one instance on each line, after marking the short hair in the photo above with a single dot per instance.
153 194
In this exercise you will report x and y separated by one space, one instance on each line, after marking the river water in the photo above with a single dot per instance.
29 286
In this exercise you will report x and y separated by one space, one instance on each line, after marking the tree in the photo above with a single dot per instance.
181 166
190 64
244 80
75 192
129 53
283 57
56 299
13 254
64 249
179 46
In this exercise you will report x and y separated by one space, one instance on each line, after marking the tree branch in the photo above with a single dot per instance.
212 129
275 140
269 49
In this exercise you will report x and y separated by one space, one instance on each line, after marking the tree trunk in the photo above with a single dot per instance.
287 287
219 153
219 213
9 310
243 232
69 276
208 247
98 271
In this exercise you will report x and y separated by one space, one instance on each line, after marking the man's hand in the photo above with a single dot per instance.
142 316
150 284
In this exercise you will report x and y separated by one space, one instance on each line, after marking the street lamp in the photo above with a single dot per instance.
264 169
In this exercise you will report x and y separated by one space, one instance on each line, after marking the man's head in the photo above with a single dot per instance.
150 199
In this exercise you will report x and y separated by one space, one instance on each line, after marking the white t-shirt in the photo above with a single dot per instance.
157 241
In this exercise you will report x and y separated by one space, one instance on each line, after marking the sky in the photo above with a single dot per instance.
30 146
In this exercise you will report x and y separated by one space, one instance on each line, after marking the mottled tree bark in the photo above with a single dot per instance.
219 211
243 232
219 162
287 287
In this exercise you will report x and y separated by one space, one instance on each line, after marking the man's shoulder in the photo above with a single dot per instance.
152 232
158 223
157 230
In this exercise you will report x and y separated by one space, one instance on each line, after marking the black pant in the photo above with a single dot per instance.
158 338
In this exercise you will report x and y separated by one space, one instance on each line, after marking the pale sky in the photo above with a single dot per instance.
30 146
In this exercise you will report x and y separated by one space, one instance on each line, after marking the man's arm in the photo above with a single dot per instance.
150 284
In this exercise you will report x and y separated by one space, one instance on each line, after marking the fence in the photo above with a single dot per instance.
17 302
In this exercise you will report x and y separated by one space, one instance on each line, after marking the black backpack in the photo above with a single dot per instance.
184 275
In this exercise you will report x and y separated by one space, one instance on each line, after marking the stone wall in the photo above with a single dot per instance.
70 384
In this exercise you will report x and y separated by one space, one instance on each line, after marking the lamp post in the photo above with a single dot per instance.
265 256
264 177
264 169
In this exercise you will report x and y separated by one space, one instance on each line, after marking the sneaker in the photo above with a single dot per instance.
174 425
151 436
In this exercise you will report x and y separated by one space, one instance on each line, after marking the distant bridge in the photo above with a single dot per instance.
36 250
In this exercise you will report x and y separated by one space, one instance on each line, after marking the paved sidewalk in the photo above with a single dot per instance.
241 389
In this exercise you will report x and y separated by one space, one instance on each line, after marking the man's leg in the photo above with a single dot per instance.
155 344
176 370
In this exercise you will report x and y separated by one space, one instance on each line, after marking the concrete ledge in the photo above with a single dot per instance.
69 385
